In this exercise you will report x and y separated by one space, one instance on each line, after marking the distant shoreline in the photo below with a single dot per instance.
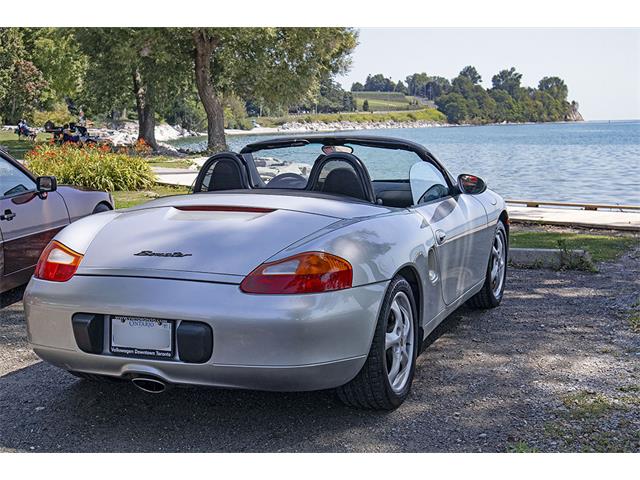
348 126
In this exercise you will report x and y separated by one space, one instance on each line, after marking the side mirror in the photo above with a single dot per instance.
471 184
46 184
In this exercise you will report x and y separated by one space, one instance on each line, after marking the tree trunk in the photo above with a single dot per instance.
205 45
146 110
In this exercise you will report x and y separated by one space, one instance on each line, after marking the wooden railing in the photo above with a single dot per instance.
582 206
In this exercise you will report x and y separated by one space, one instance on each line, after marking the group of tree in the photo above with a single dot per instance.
464 100
379 83
171 73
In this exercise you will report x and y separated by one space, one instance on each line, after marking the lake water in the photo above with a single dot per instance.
584 162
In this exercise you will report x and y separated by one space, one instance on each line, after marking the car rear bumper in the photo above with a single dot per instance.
266 342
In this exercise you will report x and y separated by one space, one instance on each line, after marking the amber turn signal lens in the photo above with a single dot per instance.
57 263
309 272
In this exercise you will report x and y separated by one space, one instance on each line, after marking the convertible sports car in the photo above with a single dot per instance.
32 211
319 278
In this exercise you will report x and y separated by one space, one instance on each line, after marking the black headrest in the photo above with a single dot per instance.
221 172
344 181
351 180
226 175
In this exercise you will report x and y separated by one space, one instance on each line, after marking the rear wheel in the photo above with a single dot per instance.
493 289
101 207
385 379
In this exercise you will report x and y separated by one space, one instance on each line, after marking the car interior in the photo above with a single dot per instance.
335 172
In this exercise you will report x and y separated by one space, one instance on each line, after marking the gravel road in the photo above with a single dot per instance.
555 368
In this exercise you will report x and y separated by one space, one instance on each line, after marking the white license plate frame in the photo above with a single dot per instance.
141 337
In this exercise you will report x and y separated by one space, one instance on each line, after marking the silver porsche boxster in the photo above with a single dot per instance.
329 274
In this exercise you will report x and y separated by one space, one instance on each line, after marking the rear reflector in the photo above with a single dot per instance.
222 208
57 263
310 272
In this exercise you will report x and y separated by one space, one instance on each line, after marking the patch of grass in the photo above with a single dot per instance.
634 321
595 423
384 101
168 162
630 389
521 447
126 199
17 148
584 405
601 247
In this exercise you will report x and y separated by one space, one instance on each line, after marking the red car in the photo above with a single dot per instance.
32 211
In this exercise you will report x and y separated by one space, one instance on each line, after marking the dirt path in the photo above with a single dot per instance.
555 368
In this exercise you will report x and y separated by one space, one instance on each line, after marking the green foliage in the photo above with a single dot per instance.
472 74
508 80
39 68
91 167
26 88
521 447
357 87
379 83
365 106
59 115
186 111
278 66
425 86
58 56
235 114
507 101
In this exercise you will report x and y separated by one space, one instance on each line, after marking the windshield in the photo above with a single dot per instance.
381 163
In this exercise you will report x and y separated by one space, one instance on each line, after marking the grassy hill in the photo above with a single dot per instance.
385 101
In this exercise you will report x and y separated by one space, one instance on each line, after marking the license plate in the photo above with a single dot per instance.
141 337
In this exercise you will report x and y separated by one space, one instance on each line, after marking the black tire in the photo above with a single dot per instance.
371 388
486 297
101 207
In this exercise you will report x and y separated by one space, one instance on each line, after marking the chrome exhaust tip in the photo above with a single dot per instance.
149 384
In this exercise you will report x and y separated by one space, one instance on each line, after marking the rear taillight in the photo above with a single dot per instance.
310 272
57 263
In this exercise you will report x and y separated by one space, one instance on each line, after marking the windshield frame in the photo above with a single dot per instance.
388 143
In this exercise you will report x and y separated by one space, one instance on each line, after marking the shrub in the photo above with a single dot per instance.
59 116
90 166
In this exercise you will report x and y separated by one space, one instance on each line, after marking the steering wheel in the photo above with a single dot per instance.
287 180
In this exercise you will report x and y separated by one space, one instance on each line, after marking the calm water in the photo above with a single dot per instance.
590 161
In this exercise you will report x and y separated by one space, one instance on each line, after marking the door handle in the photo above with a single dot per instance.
440 236
7 215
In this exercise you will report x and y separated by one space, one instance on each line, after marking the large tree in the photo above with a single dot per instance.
22 85
269 66
150 66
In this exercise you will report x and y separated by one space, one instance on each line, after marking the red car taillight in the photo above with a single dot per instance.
57 263
310 272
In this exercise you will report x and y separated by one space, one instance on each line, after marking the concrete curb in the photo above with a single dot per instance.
550 258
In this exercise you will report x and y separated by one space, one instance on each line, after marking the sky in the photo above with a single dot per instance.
600 66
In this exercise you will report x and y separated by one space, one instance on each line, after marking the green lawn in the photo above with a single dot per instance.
601 247
17 148
384 101
126 199
168 162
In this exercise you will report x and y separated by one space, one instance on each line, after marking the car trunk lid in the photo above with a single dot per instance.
203 239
